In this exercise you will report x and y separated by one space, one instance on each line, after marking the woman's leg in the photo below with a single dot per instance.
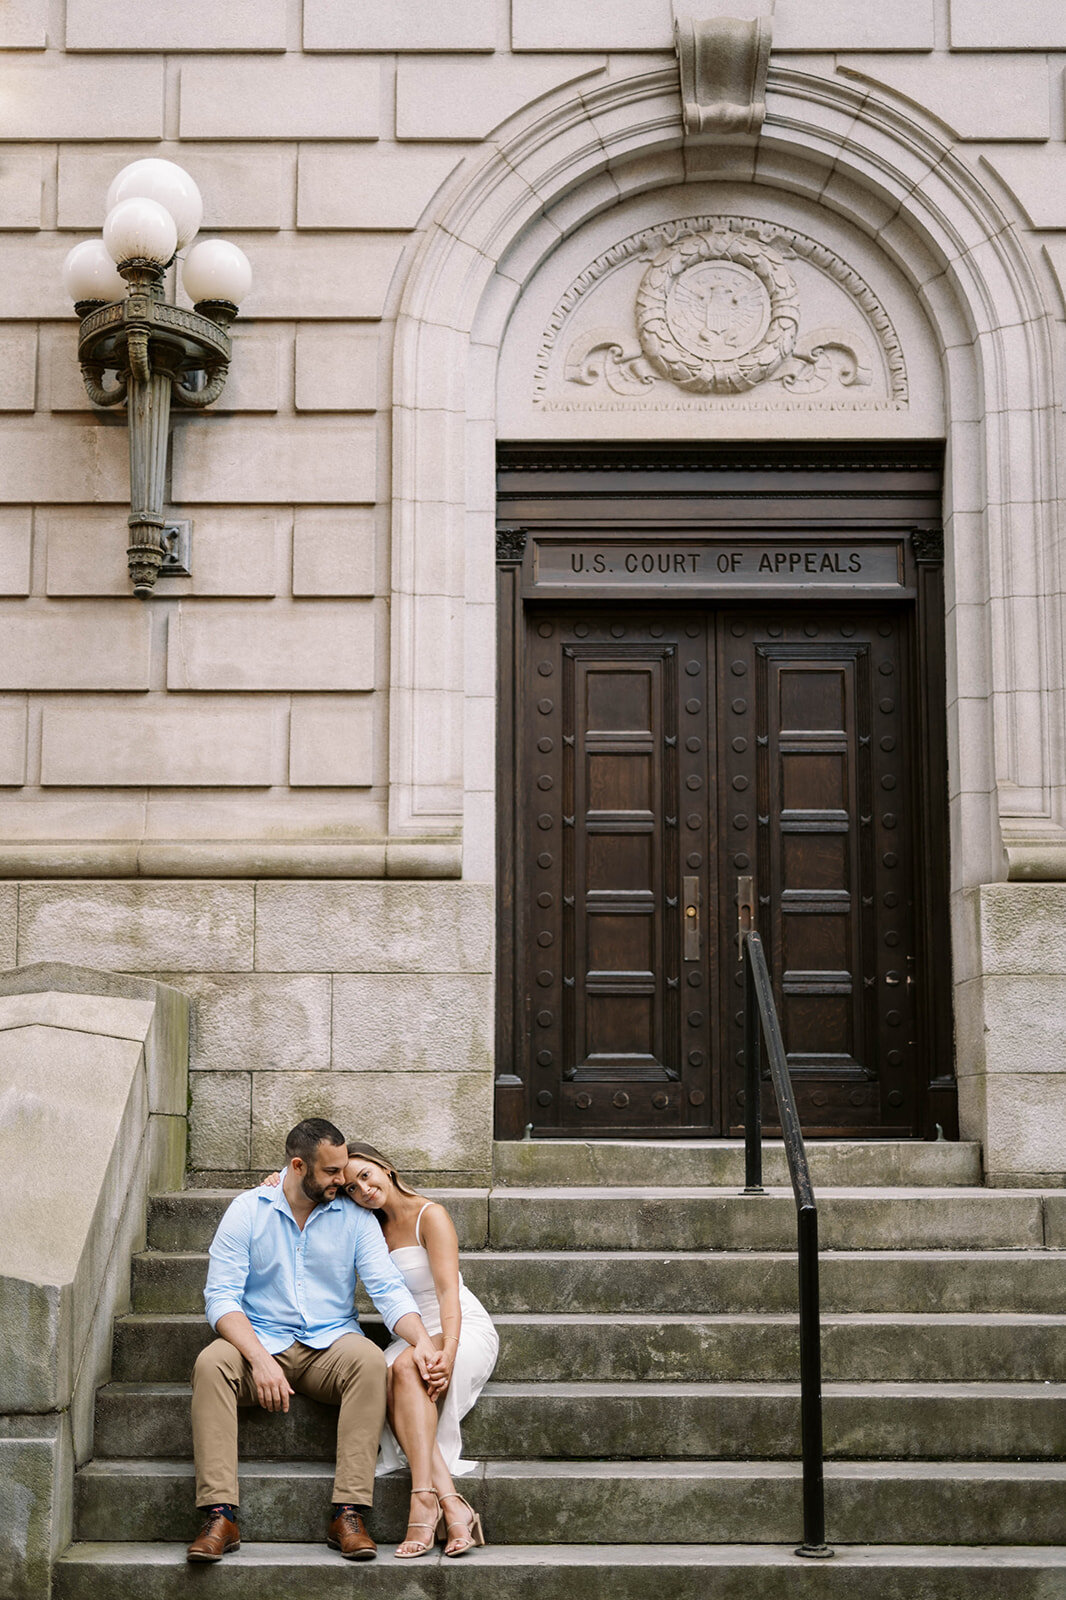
443 1482
459 1517
413 1418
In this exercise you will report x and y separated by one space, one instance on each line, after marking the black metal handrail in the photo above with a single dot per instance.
760 1021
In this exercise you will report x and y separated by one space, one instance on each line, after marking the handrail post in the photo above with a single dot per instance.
752 1045
764 1026
814 1544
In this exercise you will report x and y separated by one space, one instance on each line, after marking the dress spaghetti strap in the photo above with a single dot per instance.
418 1221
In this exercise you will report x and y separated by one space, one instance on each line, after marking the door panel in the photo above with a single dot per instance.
664 752
616 790
821 748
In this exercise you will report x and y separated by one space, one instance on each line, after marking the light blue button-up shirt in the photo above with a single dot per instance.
294 1284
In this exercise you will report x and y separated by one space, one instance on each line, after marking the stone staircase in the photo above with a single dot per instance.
640 1436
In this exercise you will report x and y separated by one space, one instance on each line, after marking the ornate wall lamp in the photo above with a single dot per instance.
157 351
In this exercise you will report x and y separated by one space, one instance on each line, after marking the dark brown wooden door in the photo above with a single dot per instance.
662 753
817 804
619 822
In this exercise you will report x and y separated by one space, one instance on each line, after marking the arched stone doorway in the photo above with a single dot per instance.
889 178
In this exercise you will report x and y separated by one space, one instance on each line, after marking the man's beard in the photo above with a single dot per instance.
316 1192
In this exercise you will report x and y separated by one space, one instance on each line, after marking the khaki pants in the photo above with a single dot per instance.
350 1374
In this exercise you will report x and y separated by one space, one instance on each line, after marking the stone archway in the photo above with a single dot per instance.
877 163
894 177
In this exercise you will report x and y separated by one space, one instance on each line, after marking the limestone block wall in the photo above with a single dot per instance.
1012 1066
241 722
316 701
366 1002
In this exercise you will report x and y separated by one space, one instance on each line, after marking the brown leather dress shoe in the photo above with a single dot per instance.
347 1533
216 1538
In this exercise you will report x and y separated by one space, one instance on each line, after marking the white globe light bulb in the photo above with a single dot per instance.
166 183
90 274
140 230
214 269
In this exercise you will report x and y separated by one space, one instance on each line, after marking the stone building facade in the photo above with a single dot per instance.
276 785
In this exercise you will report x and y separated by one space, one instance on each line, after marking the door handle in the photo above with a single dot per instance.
690 918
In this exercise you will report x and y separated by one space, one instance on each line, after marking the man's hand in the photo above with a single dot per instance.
445 1365
271 1384
427 1357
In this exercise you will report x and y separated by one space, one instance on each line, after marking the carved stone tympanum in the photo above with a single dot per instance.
719 311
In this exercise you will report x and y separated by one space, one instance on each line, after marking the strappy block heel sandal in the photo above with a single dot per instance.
421 1547
470 1533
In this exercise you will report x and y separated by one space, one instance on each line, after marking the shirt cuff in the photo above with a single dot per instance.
400 1305
218 1306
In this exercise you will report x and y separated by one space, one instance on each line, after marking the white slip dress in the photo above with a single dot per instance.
475 1357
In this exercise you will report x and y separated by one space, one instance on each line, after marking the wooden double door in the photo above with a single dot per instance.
661 753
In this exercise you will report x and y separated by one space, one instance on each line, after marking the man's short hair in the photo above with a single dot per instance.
306 1137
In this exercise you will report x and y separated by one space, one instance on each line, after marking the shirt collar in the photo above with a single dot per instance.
279 1200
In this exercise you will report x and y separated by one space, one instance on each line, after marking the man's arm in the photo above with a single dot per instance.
427 1356
271 1384
385 1285
227 1274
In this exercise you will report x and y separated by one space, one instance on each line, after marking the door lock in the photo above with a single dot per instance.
690 921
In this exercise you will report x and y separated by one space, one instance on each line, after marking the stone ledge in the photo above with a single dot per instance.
223 1178
397 858
98 1087
93 1088
59 995
1025 1180
557 1572
1032 861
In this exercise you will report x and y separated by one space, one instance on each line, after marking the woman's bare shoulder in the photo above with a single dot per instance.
436 1223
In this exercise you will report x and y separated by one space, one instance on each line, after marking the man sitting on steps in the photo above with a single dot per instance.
280 1294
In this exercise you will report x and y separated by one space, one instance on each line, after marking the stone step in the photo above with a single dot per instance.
597 1218
707 1219
701 1281
579 1502
583 1421
1003 1347
717 1163
596 1572
187 1220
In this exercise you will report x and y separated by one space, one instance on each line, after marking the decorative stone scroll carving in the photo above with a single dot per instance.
723 63
716 318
